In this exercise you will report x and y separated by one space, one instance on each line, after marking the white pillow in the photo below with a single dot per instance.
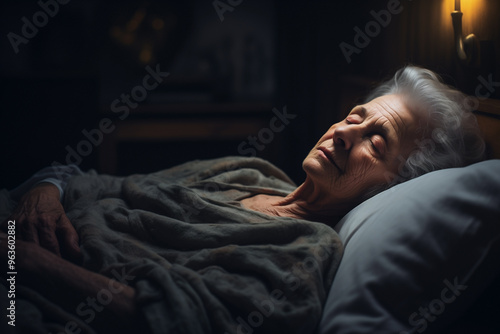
417 255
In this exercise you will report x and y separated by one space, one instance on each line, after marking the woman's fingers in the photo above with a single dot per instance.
69 241
40 230
47 235
26 228
40 219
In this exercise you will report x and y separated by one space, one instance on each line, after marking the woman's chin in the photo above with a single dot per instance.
314 167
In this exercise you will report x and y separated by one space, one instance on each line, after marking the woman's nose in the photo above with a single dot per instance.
345 136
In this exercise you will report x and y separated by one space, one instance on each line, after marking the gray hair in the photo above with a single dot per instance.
450 138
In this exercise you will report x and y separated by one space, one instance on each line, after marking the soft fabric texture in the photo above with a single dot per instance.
417 255
200 263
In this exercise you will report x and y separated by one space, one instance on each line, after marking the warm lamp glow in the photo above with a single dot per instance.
474 12
469 7
467 48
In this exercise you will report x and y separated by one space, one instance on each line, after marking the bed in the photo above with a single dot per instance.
420 257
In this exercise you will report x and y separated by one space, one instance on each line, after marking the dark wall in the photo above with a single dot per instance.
49 86
63 80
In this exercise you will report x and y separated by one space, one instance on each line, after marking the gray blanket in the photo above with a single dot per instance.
200 262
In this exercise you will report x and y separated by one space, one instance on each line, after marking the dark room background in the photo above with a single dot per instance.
136 86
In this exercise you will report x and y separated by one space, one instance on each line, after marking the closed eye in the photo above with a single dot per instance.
378 144
353 119
374 147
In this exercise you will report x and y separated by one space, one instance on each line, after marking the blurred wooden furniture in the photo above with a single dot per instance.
171 126
488 118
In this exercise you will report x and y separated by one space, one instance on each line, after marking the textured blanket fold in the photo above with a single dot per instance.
201 263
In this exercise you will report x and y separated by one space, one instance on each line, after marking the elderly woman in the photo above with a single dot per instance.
409 125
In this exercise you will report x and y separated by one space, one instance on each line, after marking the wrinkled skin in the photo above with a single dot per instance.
40 218
362 151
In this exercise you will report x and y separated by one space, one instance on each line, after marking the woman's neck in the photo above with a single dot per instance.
305 202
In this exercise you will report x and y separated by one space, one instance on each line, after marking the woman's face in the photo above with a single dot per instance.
364 150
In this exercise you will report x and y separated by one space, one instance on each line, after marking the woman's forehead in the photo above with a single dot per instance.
389 107
393 117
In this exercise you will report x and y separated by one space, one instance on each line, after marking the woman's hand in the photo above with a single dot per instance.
27 256
65 283
40 218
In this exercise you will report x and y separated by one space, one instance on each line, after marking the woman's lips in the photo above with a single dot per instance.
329 157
